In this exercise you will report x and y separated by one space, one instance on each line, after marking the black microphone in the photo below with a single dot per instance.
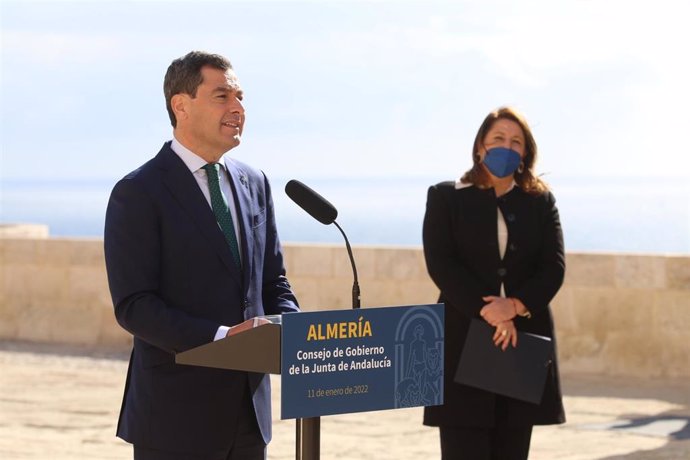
322 210
317 206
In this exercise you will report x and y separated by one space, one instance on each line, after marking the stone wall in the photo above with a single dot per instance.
616 314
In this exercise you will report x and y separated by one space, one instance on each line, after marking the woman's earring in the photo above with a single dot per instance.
521 168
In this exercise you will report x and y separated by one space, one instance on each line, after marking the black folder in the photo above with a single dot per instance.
519 373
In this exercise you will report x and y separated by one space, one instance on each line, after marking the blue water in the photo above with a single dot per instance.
650 215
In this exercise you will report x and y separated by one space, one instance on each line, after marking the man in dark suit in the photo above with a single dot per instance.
192 254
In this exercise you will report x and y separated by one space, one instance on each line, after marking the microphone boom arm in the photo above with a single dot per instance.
355 285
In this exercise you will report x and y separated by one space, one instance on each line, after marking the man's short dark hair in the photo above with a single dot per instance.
184 76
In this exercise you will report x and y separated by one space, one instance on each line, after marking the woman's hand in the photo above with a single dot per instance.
497 310
505 335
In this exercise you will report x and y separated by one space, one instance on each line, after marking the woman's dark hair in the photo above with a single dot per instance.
524 176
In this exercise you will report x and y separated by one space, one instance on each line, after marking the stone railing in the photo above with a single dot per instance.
616 314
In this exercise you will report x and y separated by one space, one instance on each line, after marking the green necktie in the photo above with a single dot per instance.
221 210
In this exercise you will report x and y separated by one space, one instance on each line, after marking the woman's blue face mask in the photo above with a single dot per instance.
501 161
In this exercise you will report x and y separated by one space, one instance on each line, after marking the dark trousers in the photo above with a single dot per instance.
498 443
247 443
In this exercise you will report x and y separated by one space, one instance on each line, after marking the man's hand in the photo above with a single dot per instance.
246 325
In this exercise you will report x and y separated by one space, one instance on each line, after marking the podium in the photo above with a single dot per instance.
339 361
262 341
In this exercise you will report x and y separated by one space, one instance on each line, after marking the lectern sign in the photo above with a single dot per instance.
344 361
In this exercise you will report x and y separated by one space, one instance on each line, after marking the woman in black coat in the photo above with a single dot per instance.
493 246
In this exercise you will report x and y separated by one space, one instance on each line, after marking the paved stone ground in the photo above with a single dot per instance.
62 403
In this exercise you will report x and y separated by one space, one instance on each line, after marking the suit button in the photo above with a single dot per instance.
512 247
502 272
510 217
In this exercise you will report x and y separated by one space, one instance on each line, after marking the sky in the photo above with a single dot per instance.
351 88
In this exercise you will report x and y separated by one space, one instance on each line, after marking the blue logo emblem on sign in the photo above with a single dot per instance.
419 359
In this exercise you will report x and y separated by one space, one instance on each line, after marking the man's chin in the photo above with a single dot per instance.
232 143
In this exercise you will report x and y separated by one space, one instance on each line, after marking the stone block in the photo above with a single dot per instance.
80 325
323 294
579 345
17 251
87 285
671 313
593 270
16 282
311 260
678 273
306 291
111 334
591 311
334 294
599 311
87 252
36 323
580 353
628 354
400 264
674 359
416 292
564 309
380 293
365 258
289 250
10 317
640 272
50 285
56 251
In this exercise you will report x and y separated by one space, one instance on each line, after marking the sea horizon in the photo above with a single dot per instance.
598 214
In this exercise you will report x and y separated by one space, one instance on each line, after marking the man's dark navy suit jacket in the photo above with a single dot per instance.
173 283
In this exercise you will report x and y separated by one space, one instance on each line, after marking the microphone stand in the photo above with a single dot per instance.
355 285
308 430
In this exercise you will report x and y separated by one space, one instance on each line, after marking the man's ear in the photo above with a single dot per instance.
180 106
